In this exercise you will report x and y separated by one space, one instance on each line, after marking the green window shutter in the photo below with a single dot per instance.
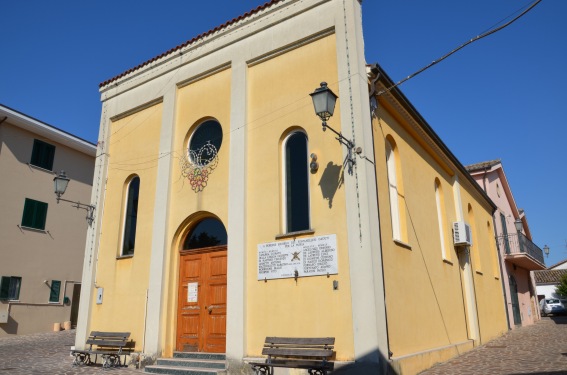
55 288
4 288
15 284
27 217
35 214
42 155
41 215
35 153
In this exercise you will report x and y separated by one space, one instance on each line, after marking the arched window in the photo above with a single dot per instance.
208 232
207 134
131 217
393 190
440 202
296 183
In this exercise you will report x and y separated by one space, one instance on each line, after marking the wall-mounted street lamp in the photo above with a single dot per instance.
519 225
324 101
60 183
546 250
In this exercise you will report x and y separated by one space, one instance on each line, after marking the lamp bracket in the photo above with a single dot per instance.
87 207
350 159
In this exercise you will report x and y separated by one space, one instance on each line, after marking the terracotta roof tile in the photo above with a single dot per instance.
549 276
183 45
483 165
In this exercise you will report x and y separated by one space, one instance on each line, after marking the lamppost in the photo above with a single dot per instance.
519 225
60 183
324 101
546 250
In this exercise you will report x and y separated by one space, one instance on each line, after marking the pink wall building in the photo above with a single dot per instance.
518 254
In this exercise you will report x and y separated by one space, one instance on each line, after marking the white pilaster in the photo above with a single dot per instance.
93 233
160 247
367 281
464 255
236 295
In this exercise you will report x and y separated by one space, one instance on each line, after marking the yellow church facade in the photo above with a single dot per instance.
226 214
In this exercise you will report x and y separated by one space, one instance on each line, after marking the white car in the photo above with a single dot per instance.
551 306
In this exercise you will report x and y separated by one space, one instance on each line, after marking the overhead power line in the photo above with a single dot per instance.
478 37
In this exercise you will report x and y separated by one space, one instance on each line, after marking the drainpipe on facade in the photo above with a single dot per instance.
373 102
500 263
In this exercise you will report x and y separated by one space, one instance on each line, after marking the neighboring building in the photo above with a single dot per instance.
518 253
559 265
547 281
222 194
42 243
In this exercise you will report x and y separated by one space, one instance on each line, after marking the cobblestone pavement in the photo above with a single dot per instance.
537 349
47 353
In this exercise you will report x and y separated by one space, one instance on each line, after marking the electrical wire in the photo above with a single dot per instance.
478 37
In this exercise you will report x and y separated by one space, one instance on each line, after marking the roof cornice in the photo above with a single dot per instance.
199 39
47 131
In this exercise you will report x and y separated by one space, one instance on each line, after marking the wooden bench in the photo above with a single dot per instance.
312 354
110 345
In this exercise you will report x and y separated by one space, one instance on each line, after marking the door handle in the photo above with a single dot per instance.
210 308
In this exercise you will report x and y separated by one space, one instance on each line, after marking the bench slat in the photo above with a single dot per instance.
110 334
301 340
297 352
107 343
297 364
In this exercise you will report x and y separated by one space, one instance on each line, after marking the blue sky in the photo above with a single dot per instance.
501 97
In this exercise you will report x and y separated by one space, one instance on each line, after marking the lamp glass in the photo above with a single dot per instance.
518 224
546 250
60 183
324 101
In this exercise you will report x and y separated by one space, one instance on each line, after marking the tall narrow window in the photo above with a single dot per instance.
55 290
296 183
131 217
42 155
505 238
474 249
35 214
393 189
441 218
10 288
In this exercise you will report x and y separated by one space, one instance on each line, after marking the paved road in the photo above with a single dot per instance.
46 353
538 349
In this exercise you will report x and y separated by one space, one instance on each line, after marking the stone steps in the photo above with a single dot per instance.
184 363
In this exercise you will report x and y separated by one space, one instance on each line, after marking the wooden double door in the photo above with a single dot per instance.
201 314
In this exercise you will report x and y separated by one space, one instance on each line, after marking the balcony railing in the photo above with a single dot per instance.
518 243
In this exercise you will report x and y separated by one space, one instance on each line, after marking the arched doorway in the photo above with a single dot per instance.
515 302
201 312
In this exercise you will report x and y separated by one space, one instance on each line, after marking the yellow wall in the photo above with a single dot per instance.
208 98
133 149
278 102
424 297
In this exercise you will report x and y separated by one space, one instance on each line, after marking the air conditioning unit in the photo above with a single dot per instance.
462 235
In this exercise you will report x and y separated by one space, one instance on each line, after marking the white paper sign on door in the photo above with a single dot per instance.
192 292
